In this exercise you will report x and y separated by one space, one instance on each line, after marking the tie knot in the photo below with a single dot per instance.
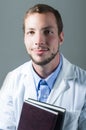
43 82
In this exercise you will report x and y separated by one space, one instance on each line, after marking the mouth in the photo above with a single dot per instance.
40 50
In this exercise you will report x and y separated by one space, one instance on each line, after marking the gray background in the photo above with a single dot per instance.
12 49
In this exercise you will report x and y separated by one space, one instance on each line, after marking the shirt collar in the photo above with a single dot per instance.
51 78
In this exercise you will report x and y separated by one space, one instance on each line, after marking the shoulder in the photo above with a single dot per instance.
19 72
73 71
14 77
22 69
80 74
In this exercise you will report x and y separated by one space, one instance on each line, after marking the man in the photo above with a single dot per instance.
65 82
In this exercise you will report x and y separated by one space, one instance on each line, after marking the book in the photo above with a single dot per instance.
37 115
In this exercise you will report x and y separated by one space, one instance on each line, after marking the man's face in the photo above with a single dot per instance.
41 37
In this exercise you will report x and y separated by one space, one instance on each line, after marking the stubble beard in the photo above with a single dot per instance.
46 61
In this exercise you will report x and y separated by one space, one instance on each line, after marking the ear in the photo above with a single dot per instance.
61 38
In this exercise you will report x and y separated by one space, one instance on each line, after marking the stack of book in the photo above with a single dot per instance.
37 115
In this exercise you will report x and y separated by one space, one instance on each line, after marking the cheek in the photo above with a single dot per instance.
27 42
53 39
27 45
53 42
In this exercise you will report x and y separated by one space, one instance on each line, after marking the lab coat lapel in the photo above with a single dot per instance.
30 87
57 91
62 82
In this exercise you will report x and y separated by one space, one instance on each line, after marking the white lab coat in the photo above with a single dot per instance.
69 92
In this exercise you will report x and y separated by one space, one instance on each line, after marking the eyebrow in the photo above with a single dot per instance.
48 27
44 28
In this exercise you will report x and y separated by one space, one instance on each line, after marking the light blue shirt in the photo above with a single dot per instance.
50 79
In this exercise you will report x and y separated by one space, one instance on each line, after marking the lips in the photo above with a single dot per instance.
40 50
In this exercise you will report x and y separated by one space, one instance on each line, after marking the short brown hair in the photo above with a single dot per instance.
42 8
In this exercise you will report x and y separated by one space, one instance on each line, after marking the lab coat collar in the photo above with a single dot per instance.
26 68
68 70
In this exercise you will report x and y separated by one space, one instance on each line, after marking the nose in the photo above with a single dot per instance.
40 39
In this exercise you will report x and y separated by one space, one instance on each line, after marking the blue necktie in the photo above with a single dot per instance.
43 91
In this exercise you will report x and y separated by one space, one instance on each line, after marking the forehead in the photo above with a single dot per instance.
40 19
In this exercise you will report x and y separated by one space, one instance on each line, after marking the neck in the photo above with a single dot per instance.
45 70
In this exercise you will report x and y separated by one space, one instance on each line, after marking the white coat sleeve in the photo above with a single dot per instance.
82 120
7 115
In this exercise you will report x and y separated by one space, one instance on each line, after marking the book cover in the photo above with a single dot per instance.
37 115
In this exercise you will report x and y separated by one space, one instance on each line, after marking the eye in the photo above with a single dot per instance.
48 32
30 32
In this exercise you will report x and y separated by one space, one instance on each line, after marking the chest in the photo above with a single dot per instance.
69 95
